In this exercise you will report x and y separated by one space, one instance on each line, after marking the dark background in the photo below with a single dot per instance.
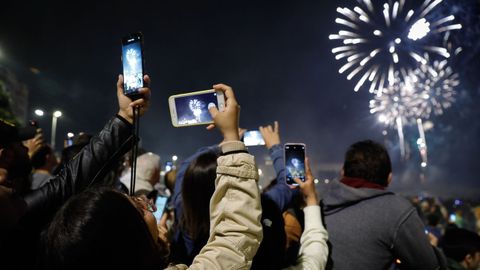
276 55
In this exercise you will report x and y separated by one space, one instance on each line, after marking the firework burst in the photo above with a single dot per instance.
380 42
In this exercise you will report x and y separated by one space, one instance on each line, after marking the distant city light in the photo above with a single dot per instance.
423 164
316 181
57 114
260 172
174 158
70 135
39 112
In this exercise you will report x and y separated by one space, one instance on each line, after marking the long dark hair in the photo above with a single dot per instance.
96 229
197 189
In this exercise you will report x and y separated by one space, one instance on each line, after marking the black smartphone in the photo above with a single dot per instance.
294 162
133 66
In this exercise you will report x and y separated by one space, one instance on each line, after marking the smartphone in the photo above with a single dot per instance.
132 60
161 204
191 109
253 138
294 162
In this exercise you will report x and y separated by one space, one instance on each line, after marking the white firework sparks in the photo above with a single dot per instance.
376 44
435 85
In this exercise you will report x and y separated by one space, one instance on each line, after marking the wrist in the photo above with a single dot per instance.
311 200
125 116
231 136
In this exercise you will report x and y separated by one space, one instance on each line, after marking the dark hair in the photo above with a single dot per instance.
99 228
39 158
458 243
197 189
368 160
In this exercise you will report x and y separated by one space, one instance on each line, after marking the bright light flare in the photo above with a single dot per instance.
57 114
39 112
419 30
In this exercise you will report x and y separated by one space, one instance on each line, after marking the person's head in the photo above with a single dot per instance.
103 228
148 167
15 164
462 246
170 179
368 160
197 189
44 158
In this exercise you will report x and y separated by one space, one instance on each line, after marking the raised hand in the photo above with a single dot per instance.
126 104
270 135
308 187
227 120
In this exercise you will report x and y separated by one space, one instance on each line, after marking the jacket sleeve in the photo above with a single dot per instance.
411 245
86 168
280 193
313 251
235 210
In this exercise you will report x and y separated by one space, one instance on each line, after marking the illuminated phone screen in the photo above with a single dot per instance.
294 163
161 204
253 138
194 109
132 64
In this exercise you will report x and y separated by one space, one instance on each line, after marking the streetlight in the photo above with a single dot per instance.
55 116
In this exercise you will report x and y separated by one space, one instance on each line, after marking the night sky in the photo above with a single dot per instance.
275 54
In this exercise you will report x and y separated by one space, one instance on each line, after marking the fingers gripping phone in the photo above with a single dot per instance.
192 108
253 138
294 162
133 68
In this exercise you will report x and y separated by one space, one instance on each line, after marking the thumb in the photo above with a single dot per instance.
298 181
212 109
120 85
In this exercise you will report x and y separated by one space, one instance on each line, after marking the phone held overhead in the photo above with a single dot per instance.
191 109
294 162
133 64
253 138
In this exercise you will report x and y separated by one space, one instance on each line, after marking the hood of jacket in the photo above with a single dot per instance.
337 196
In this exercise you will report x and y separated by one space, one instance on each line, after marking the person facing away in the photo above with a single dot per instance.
462 249
43 163
368 226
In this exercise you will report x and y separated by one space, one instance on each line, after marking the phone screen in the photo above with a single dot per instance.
194 109
294 162
132 64
253 138
161 204
168 166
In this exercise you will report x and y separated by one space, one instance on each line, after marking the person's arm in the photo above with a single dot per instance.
280 193
411 245
235 210
313 253
95 159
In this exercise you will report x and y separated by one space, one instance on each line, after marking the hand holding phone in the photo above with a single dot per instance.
294 162
308 187
191 109
226 120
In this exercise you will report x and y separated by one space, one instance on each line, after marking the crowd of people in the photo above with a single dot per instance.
78 213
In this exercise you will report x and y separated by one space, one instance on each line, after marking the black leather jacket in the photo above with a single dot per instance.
36 208
88 167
